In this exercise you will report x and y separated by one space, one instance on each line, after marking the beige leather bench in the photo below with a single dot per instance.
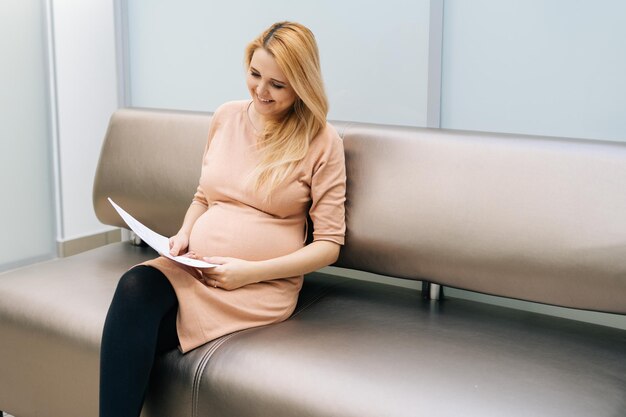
532 218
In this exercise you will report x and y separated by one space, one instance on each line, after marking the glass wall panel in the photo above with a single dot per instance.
539 67
27 220
189 54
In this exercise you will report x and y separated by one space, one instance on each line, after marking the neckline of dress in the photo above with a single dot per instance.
250 119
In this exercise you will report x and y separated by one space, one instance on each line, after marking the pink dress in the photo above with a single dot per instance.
239 223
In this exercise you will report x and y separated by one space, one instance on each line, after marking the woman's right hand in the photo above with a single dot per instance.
179 244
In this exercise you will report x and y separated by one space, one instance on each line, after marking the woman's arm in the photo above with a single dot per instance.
232 273
180 242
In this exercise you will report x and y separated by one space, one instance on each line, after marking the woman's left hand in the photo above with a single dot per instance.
230 273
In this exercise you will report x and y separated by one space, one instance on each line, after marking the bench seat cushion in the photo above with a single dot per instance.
352 348
51 319
365 349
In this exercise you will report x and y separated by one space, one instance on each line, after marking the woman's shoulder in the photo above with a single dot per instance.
224 114
327 137
230 108
326 146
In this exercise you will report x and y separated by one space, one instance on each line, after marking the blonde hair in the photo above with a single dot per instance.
286 142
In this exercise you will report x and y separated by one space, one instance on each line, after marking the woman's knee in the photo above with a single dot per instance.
143 283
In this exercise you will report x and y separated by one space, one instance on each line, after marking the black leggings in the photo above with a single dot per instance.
140 324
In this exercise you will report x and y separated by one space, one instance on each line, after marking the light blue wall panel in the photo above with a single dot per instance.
188 54
548 67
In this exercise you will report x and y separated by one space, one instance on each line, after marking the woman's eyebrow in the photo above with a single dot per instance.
273 79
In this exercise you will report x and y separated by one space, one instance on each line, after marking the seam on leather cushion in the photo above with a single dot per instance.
200 371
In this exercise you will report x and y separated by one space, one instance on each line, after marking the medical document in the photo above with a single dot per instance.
158 242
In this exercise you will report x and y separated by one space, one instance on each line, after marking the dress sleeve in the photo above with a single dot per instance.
328 194
199 197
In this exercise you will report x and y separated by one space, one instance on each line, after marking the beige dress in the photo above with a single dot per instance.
239 223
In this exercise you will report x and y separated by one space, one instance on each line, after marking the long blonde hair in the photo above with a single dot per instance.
286 142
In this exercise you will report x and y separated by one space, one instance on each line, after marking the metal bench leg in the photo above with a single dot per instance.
436 292
432 291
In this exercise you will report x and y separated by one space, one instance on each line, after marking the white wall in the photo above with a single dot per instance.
188 54
27 217
87 95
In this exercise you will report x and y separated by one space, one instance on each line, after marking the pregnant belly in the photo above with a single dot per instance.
245 233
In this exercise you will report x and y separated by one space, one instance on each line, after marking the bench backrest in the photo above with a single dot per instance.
534 218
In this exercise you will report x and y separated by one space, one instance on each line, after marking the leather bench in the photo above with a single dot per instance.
532 218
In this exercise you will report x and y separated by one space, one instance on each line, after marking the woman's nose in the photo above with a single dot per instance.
261 89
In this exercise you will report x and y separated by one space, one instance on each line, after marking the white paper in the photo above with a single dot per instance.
158 242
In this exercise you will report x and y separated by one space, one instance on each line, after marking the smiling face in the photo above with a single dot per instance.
270 91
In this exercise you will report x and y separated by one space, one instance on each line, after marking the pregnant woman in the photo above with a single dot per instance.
268 162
